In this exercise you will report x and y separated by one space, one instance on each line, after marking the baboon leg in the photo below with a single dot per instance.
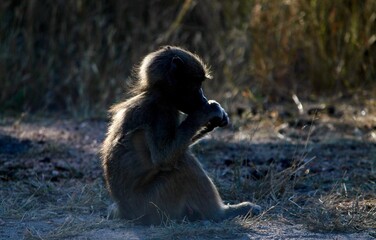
242 209
204 200
183 193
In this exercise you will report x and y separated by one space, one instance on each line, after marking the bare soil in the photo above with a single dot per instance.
314 174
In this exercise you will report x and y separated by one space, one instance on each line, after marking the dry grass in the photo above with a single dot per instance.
337 213
82 207
78 207
327 202
344 208
339 210
40 199
205 230
67 205
76 55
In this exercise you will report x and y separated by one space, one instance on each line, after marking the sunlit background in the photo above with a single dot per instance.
76 55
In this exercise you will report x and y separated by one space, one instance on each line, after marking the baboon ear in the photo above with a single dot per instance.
175 67
176 63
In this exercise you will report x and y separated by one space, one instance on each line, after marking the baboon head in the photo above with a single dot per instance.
177 75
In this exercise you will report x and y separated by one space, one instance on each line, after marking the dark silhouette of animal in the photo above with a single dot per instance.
148 168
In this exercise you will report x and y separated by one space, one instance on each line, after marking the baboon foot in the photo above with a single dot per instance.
242 209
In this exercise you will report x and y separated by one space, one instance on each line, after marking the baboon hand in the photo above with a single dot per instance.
219 117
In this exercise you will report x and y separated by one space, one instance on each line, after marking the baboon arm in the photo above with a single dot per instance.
166 144
213 123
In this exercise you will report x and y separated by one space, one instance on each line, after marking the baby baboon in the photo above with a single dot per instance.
148 168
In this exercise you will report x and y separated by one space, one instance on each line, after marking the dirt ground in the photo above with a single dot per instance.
314 174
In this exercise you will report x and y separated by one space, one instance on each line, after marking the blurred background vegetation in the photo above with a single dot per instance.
76 55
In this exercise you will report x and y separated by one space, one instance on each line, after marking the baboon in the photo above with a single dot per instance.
148 168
